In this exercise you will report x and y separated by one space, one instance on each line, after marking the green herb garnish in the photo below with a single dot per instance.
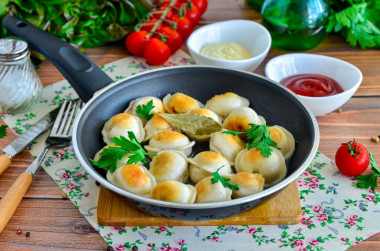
216 177
3 131
144 110
258 136
370 180
110 155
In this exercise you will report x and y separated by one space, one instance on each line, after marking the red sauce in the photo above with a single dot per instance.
312 85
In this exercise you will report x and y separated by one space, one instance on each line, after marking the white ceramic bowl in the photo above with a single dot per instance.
346 74
251 35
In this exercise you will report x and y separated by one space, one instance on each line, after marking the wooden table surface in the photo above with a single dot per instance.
56 223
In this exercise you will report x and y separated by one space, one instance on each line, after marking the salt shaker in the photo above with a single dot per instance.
20 86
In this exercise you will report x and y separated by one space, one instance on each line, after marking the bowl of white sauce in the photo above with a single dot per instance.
234 44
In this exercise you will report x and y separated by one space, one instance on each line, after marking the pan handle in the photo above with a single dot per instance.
83 74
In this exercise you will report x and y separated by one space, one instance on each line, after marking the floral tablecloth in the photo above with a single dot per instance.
336 215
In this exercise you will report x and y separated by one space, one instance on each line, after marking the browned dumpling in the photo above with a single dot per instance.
272 168
227 145
206 113
154 125
169 165
207 162
239 119
208 192
133 178
158 106
120 124
248 183
169 140
224 104
180 103
284 139
174 191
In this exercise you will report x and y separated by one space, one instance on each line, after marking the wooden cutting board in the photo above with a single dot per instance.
282 209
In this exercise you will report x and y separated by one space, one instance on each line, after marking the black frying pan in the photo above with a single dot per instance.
274 102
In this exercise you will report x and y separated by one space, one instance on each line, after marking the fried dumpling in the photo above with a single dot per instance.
174 191
272 168
224 104
207 162
284 139
133 178
227 145
248 183
170 140
120 124
158 106
180 103
208 192
239 119
169 165
154 125
206 113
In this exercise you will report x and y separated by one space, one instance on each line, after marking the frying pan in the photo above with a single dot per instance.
104 99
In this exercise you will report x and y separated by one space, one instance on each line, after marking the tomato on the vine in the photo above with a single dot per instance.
201 4
135 42
352 158
184 26
193 15
177 3
158 13
148 25
156 52
174 39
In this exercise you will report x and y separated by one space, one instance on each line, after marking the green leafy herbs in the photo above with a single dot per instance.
144 110
216 177
258 136
370 180
3 131
110 155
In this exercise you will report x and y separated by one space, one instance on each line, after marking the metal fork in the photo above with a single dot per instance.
60 136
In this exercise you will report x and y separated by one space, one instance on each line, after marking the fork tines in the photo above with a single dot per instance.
65 118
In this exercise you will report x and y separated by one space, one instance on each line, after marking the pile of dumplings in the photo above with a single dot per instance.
173 175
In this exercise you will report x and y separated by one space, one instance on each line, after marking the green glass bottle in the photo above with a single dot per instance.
295 24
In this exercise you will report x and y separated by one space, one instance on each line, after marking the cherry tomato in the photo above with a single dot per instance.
193 15
156 52
352 158
184 26
176 4
148 25
174 39
201 4
136 41
160 10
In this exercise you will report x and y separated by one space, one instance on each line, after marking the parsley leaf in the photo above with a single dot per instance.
3 131
370 180
258 136
144 110
110 155
216 177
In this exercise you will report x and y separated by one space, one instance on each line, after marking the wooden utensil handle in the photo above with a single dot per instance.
5 161
13 197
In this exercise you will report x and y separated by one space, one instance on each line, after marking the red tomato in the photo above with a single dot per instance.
176 4
184 26
201 4
174 39
193 15
148 25
160 10
135 42
156 52
352 158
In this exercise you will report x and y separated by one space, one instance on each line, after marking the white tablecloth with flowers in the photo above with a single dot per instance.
335 214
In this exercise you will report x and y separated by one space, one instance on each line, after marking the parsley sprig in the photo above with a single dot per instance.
3 131
258 136
110 155
216 177
370 180
144 110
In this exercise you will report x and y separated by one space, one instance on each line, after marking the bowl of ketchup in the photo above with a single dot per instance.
323 83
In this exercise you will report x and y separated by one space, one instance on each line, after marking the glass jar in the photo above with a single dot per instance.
295 24
20 85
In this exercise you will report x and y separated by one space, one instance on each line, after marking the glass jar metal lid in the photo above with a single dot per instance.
12 50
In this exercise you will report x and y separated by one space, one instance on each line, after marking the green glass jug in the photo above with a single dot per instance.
295 24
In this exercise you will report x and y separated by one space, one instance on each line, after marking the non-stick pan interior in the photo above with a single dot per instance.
274 103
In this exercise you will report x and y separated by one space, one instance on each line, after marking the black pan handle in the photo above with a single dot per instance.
83 74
